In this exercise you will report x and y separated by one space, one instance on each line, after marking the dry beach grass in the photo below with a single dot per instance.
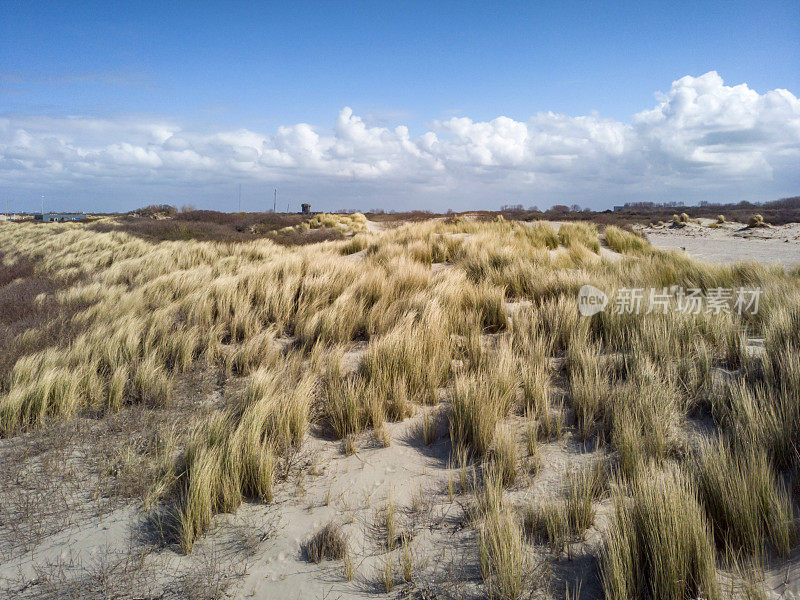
659 449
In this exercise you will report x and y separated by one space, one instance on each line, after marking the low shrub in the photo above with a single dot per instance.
328 543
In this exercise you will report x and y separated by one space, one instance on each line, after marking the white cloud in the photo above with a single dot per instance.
701 135
729 132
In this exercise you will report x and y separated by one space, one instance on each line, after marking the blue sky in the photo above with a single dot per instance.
120 104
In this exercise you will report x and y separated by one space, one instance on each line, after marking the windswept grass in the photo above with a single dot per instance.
590 389
235 455
745 501
659 546
579 234
345 406
338 337
645 419
346 223
480 403
761 417
564 521
507 568
503 556
624 241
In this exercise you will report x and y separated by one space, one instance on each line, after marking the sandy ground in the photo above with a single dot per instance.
375 226
258 551
731 242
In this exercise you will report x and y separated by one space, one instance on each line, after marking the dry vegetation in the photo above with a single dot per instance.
164 223
776 212
698 436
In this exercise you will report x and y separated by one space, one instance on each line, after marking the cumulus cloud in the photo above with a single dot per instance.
704 125
700 134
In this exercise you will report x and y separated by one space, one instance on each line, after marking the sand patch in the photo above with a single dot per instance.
732 242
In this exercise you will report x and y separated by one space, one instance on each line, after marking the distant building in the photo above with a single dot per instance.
306 209
58 217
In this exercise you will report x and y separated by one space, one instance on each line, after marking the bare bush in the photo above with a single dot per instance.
328 543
